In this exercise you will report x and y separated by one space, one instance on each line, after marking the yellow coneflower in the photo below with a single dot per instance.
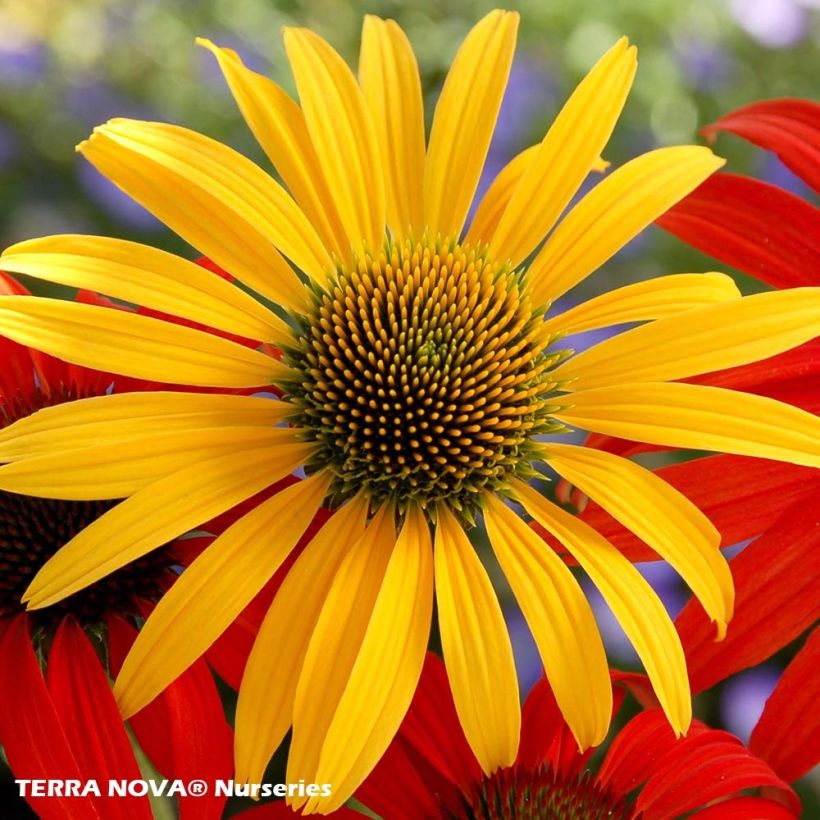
418 379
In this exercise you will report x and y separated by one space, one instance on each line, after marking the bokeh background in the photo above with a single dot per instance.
68 65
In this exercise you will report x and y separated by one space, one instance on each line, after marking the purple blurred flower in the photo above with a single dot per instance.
94 103
22 66
208 68
743 698
773 23
615 640
9 147
666 583
589 338
527 660
775 172
706 65
114 202
530 94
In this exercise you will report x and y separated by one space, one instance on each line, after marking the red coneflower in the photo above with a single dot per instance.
430 773
774 236
59 718
784 560
752 225
647 772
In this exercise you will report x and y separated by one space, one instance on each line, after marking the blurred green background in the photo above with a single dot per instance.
68 66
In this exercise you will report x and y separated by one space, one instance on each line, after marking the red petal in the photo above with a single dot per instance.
746 808
17 374
753 226
801 362
91 297
82 697
545 736
83 381
404 785
229 653
803 393
543 729
703 768
775 581
17 382
210 265
30 730
789 127
206 263
9 286
637 748
429 763
620 446
787 736
178 320
638 685
221 522
186 549
792 377
682 774
432 726
183 731
149 724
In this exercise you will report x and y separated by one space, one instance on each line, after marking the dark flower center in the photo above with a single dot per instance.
33 529
526 794
423 374
18 405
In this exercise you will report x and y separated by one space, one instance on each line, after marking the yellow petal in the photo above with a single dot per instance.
389 77
145 276
238 183
123 417
561 622
616 210
159 513
343 135
709 338
465 119
494 202
335 643
191 205
566 156
213 590
279 126
476 648
650 299
633 602
659 515
264 711
106 471
698 417
384 677
117 341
